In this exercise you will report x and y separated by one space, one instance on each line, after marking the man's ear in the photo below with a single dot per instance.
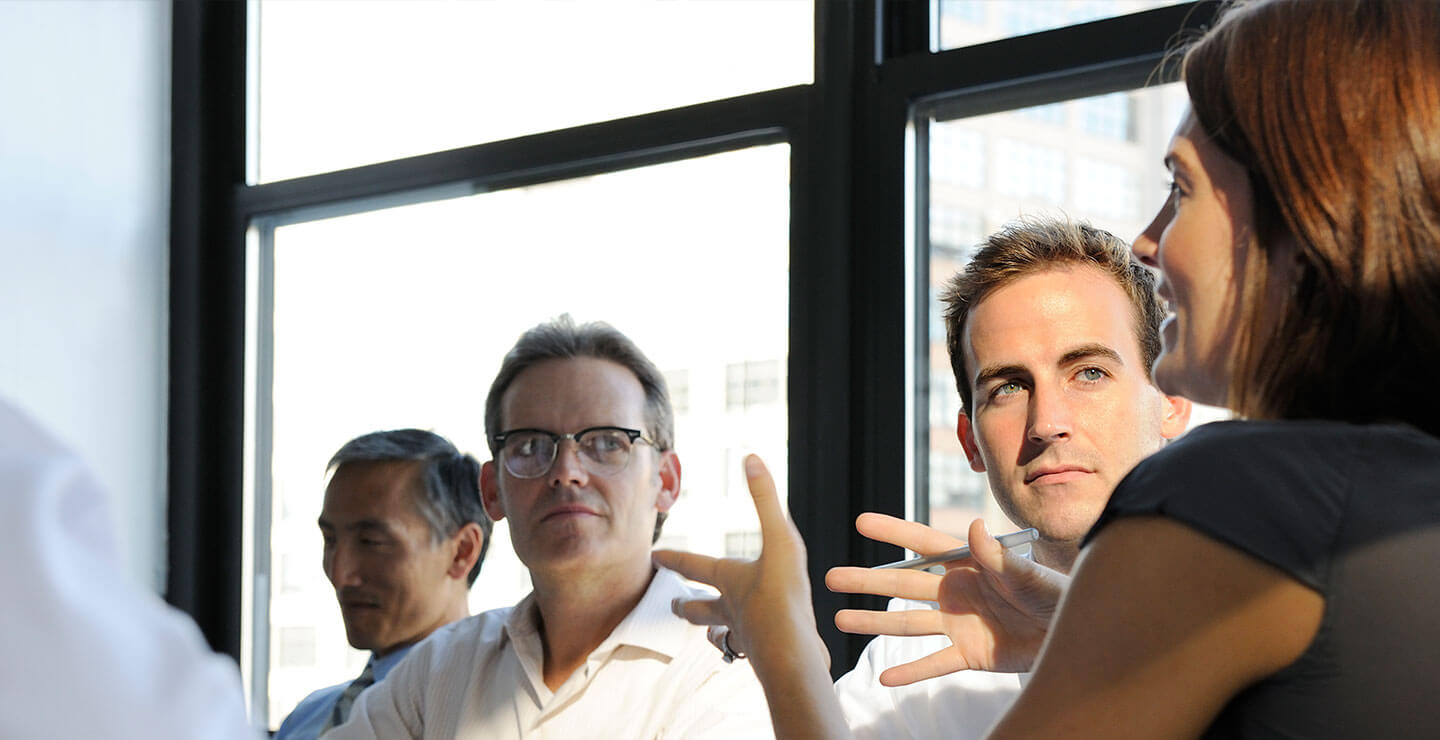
669 470
466 544
490 491
966 433
1177 416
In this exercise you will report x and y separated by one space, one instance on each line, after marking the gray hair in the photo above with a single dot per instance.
562 339
451 491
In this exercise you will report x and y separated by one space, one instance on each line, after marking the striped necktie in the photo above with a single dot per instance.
347 697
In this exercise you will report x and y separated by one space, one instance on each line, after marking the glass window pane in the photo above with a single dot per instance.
343 84
1096 159
966 22
400 318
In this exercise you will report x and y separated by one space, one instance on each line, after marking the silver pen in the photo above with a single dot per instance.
1007 541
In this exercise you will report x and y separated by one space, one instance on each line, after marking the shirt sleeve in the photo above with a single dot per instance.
1276 492
89 654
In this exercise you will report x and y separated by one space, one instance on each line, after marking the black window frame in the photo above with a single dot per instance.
848 368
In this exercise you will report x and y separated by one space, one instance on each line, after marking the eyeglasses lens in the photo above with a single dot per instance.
602 452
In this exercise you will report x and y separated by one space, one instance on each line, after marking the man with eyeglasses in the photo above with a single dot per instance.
581 429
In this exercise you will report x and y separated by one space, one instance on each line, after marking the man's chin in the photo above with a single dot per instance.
361 637
1065 527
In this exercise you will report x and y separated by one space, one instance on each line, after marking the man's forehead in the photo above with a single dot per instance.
574 390
1041 317
365 490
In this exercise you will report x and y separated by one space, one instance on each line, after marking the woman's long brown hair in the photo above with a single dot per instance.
1333 106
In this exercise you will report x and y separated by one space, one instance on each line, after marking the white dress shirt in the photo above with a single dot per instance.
86 653
655 676
958 705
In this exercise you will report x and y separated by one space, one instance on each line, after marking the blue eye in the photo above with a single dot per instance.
1008 389
1092 374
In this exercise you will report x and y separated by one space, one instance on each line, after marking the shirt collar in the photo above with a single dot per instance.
650 625
382 665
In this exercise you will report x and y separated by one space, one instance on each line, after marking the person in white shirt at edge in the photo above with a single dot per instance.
88 654
584 471
1052 329
404 535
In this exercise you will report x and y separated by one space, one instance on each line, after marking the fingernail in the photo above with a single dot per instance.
753 467
675 606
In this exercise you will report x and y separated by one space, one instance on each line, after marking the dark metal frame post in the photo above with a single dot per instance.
207 319
822 346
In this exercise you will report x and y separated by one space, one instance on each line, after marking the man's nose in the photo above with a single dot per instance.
341 567
1050 417
568 469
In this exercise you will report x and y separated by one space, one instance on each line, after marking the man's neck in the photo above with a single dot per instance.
458 609
1056 555
577 613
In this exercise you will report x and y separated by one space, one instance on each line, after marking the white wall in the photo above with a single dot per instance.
84 212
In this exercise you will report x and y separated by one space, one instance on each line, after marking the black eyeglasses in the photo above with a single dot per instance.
604 451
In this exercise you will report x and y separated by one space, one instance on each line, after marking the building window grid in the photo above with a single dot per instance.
677 382
971 12
1050 114
752 384
296 648
1027 170
744 544
1108 190
944 399
953 484
1108 116
955 230
1020 18
957 155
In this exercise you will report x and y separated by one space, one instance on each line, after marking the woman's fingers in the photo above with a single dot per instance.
935 664
903 623
909 535
916 585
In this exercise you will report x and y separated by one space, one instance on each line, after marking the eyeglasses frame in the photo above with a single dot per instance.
634 435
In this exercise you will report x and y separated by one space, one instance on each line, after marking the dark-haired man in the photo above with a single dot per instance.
1052 331
584 471
405 535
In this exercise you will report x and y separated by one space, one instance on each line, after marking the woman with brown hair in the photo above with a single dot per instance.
1270 576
